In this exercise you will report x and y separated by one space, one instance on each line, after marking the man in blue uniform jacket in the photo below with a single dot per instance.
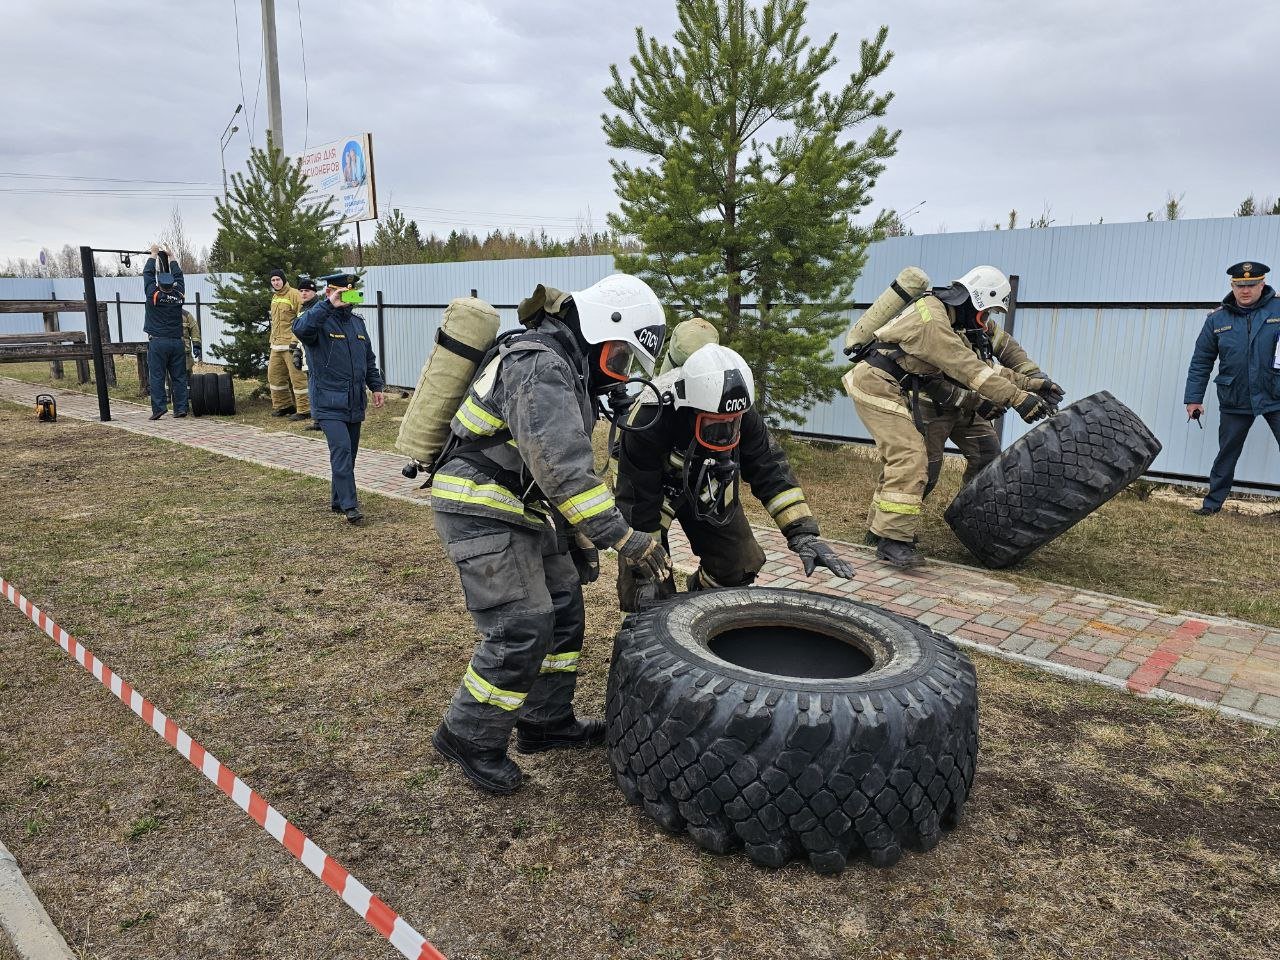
166 289
342 364
1242 337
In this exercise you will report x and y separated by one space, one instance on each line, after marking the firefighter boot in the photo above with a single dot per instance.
569 733
898 553
490 770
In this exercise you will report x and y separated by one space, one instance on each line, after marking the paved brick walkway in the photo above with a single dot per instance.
1229 665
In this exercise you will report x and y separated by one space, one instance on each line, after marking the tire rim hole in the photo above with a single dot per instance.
791 651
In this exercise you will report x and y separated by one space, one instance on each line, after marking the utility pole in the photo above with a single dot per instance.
272 60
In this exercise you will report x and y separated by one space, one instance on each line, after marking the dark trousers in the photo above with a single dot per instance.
526 601
344 442
975 438
167 355
1232 430
728 556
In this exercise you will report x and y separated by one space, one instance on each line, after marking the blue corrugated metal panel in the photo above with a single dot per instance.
23 288
1141 356
1160 262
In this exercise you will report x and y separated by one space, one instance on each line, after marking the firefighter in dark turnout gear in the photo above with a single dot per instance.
522 514
684 465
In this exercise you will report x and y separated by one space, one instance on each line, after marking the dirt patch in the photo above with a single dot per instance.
315 659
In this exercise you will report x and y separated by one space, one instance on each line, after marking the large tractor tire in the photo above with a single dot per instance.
792 724
226 395
1051 478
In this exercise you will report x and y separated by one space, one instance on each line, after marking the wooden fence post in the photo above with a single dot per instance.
104 330
51 326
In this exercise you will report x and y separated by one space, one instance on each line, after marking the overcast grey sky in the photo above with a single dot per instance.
485 113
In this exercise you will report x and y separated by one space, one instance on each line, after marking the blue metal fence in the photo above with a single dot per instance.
1101 307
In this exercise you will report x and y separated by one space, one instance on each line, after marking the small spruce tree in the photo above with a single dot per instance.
265 225
749 182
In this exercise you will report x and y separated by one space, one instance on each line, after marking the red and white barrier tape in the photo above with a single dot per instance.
355 894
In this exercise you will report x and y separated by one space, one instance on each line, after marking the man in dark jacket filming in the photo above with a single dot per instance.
165 289
1243 336
342 366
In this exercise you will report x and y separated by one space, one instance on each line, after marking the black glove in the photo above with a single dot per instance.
1050 392
646 555
295 356
814 553
587 560
1031 408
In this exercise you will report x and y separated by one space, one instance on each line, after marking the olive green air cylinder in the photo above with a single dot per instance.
469 329
910 283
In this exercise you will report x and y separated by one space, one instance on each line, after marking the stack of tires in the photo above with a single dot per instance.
212 394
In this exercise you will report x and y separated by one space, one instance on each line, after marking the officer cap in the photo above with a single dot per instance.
341 278
1247 272
306 283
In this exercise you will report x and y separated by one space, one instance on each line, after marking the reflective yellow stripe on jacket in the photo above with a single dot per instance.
788 507
586 505
493 495
477 419
486 692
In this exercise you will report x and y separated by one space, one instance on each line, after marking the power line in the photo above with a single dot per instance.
262 63
306 87
235 8
103 192
59 176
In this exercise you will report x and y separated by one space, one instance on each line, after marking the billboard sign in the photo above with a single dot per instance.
342 171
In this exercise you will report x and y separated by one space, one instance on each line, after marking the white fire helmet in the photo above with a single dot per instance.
714 379
988 288
625 309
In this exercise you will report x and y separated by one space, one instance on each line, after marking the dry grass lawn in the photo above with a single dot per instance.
315 659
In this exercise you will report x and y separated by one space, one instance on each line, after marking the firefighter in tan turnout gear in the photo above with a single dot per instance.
522 513
937 349
963 417
288 384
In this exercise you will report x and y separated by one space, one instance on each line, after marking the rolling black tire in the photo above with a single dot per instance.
209 390
226 395
195 394
741 717
1050 479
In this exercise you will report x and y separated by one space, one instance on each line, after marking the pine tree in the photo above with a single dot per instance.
264 225
749 183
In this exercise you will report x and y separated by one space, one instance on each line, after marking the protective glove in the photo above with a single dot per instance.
155 248
980 406
586 558
1031 408
1049 391
646 555
295 356
814 552
195 350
